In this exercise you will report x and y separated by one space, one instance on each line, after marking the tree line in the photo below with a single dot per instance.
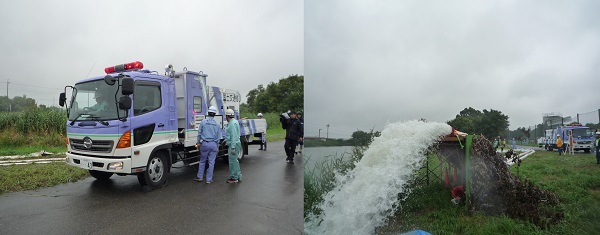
494 123
16 104
276 97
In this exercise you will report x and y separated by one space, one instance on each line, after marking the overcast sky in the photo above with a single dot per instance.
46 45
369 62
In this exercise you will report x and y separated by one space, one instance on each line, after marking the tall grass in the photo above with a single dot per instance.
34 127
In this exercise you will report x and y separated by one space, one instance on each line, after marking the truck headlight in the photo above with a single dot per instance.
117 166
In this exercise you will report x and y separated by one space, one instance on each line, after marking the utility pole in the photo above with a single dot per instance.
327 132
7 99
319 133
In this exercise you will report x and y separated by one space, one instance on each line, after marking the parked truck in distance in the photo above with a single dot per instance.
583 136
137 122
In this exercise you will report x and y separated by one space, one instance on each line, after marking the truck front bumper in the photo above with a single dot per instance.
115 165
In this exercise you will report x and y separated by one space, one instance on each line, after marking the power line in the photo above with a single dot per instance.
34 86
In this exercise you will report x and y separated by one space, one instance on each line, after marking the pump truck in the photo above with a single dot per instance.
133 121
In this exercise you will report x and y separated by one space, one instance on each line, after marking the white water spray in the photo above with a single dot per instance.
362 199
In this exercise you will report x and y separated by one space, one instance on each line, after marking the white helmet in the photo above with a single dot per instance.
597 132
212 109
259 114
229 113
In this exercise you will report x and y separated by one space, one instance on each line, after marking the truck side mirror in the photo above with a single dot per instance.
127 86
125 102
110 80
62 99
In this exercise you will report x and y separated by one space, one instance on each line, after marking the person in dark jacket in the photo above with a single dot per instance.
301 142
293 133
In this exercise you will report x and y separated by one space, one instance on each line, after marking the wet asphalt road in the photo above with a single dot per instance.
268 201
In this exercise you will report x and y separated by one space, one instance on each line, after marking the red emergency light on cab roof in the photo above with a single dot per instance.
124 67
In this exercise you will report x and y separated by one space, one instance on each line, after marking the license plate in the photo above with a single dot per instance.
86 164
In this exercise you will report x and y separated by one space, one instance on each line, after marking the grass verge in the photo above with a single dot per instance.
33 176
576 180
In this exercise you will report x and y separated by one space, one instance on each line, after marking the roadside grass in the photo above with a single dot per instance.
33 176
576 179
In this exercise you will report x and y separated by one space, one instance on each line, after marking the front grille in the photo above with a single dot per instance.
96 164
98 146
584 142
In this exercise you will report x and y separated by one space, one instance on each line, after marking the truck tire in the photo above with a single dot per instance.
156 171
240 155
587 150
100 175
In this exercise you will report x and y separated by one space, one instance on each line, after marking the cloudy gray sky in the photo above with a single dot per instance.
46 45
369 62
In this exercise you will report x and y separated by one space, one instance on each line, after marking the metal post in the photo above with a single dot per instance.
319 133
578 118
427 169
468 141
327 132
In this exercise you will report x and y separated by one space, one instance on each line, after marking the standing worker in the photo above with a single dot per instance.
496 144
293 134
598 147
514 143
263 137
209 135
559 144
571 143
232 139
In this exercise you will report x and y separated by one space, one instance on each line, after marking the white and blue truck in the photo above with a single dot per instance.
133 121
582 135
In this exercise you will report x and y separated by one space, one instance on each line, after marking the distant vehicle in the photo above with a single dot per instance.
583 136
541 142
148 121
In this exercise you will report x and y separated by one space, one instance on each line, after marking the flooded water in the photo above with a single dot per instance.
362 199
315 155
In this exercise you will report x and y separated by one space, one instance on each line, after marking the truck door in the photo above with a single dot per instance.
196 106
149 119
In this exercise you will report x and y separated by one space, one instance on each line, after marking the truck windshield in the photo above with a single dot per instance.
94 100
582 133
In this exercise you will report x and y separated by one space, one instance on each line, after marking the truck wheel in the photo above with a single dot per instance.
240 155
586 150
100 175
156 170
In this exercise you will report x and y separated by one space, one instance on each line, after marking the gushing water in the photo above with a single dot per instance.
362 199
